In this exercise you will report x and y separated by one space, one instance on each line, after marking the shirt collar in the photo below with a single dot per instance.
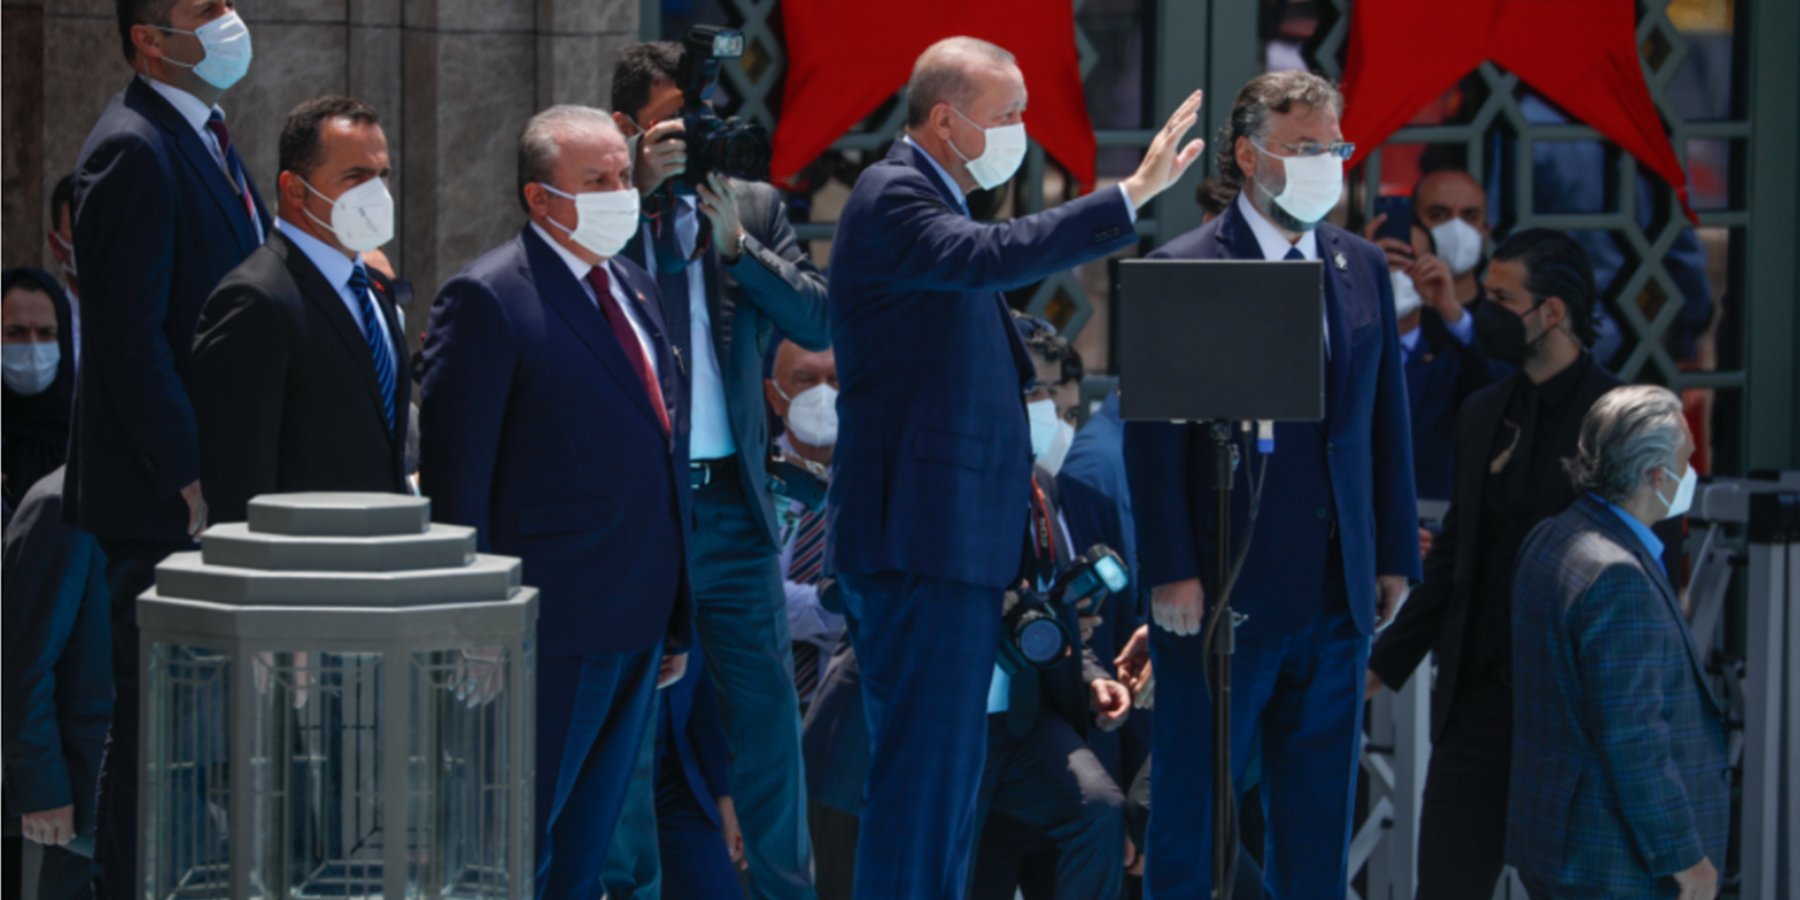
942 173
577 266
331 263
187 105
1410 340
1645 536
1274 244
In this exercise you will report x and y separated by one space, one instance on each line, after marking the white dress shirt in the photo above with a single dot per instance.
1275 245
337 268
196 114
709 431
635 316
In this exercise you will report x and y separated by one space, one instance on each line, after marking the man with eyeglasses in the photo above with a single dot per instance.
1336 543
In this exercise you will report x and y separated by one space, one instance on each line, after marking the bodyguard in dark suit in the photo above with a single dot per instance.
58 698
933 466
1512 439
546 425
1336 539
1621 783
730 273
164 208
299 360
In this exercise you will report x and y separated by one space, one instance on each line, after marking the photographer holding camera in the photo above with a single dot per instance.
729 272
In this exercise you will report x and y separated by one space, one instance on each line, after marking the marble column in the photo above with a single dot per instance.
453 80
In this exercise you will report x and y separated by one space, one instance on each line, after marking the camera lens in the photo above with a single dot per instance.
1040 640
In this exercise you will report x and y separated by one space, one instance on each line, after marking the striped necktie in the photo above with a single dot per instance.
384 360
806 567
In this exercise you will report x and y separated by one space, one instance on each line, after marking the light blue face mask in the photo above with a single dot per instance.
226 41
30 368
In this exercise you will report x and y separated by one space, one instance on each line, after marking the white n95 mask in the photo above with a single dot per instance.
226 41
1458 243
1042 416
1314 184
361 217
1005 151
1406 294
29 368
605 221
812 415
1053 457
1684 492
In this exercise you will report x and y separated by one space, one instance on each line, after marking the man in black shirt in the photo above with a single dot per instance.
1510 442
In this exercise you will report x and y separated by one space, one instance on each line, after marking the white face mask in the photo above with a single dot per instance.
1406 294
1058 451
1314 184
1459 244
68 267
1684 493
29 368
812 415
1004 152
226 40
605 221
1042 416
361 217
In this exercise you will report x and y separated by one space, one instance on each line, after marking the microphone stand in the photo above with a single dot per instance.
1220 647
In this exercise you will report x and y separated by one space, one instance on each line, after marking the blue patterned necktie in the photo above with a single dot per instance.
1294 253
384 362
807 567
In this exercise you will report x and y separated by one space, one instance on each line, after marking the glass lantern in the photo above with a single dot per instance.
338 701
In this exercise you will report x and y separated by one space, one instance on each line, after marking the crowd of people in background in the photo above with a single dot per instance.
778 515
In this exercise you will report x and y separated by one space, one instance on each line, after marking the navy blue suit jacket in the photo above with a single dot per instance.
1364 481
58 658
932 470
690 715
535 430
157 226
1440 374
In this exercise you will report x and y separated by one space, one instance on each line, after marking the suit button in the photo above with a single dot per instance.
1324 513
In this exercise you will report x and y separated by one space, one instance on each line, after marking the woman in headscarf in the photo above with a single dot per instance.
37 365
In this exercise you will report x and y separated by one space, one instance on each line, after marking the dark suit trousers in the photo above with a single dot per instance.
742 622
592 713
695 863
926 649
1050 780
130 571
1302 694
1462 824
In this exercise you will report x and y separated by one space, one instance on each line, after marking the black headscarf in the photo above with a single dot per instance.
36 428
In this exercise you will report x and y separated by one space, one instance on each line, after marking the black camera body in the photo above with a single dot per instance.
1033 633
730 146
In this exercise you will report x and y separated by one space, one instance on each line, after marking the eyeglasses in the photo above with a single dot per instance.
1341 149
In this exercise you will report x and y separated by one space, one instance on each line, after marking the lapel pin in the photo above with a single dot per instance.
1338 260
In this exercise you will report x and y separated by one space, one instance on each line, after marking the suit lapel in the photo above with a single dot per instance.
1608 522
200 158
667 379
556 285
325 297
1338 289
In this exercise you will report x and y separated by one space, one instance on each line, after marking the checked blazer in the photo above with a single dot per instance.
1620 776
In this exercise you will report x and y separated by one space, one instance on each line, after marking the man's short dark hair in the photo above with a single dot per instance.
1214 195
139 12
638 69
62 197
1042 339
301 149
1556 266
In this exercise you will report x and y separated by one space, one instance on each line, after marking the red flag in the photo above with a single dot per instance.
1580 54
846 57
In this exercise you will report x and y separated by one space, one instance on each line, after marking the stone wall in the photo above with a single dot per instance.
454 82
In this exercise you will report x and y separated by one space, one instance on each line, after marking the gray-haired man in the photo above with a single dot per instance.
1621 785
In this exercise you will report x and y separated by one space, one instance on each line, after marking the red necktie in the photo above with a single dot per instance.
216 124
628 341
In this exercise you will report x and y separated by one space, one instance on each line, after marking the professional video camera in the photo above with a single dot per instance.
1032 634
730 146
